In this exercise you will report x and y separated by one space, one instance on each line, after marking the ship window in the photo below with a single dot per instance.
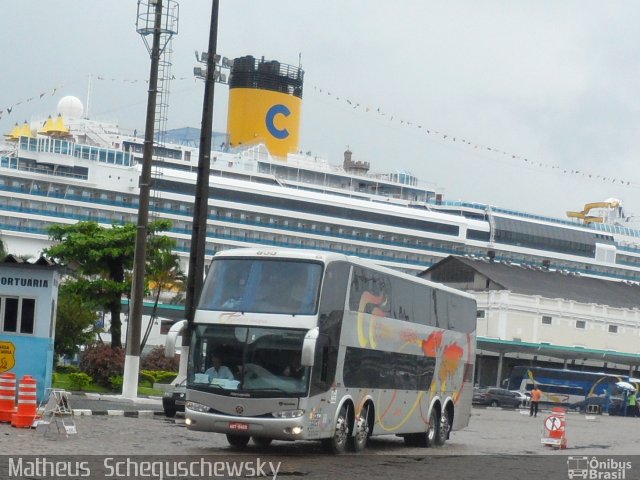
613 328
546 320
581 324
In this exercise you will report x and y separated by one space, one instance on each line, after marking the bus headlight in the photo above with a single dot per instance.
198 407
288 413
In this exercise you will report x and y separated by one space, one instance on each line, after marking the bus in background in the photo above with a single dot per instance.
305 345
562 386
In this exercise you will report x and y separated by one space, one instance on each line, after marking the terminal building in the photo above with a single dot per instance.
541 317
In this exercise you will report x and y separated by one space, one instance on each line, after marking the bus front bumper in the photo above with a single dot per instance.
275 428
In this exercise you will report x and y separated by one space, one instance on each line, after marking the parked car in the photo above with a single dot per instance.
495 397
524 397
174 399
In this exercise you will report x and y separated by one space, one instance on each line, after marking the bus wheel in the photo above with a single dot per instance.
338 442
237 441
443 433
433 430
361 426
262 442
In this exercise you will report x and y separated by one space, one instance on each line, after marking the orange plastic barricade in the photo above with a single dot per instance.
27 403
7 396
555 434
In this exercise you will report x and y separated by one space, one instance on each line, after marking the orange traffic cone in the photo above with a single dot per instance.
7 396
27 403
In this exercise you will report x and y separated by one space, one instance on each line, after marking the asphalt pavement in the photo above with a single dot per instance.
498 444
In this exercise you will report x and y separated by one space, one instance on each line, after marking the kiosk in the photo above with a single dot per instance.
28 301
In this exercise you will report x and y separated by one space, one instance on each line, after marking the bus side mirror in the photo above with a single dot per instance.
309 347
174 332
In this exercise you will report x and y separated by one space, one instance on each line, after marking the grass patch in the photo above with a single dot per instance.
149 391
62 381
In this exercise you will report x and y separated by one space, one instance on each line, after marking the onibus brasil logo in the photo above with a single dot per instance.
595 468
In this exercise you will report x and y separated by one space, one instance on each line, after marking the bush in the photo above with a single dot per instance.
165 377
103 362
146 376
155 360
115 382
79 380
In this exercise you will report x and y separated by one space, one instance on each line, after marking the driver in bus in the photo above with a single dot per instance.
217 370
295 370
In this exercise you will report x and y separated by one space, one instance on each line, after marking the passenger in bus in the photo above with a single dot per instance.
217 370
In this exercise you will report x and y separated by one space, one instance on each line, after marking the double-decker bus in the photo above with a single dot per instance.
294 344
562 386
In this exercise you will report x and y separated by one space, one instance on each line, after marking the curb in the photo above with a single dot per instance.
81 412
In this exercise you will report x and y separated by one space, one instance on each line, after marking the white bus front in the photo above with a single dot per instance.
249 364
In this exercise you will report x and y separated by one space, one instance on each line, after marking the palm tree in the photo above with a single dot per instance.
164 273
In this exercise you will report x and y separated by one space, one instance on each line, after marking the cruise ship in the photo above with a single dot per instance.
265 192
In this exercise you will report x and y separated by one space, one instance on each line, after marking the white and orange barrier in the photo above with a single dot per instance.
7 396
27 403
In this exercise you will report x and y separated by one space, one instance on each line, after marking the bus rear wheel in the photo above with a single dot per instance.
337 444
433 430
361 432
443 432
237 441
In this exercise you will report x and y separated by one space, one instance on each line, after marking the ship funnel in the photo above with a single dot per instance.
265 98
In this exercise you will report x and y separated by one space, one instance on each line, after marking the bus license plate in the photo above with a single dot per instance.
238 426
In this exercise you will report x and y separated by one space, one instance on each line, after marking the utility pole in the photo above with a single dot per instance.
201 204
134 327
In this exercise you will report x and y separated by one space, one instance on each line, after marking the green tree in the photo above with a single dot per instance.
75 321
164 273
102 259
3 251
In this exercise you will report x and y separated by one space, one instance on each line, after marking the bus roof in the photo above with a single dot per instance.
326 257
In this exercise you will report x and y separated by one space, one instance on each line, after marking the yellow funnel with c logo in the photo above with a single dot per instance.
265 99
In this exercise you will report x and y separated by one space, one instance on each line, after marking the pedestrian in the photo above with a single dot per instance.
536 394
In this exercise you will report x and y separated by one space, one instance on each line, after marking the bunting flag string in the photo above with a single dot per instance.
444 136
8 110
477 146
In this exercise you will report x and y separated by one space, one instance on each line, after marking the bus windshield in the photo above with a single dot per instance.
262 286
248 359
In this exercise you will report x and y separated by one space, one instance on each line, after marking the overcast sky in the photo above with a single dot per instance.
529 90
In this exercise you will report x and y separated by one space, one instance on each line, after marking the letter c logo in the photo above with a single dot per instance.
271 114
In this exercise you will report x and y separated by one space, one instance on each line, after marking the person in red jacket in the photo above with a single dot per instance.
536 394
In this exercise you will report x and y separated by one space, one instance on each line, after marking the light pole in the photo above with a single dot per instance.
200 208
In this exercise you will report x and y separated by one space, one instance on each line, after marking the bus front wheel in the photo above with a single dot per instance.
338 442
237 441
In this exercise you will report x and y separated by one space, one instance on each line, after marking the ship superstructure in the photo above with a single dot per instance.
88 170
